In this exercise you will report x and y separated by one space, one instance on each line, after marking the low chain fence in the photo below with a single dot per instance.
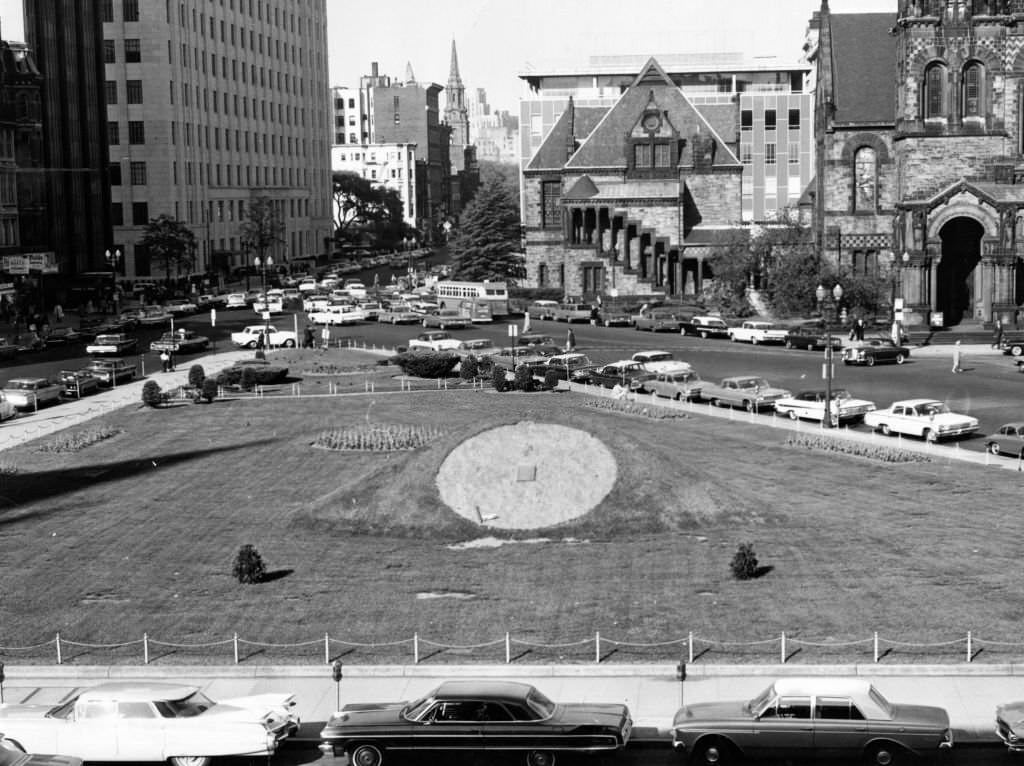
509 649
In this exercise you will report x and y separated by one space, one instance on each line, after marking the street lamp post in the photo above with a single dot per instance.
833 301
263 264
113 259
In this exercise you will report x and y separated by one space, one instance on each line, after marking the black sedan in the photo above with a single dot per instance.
475 716
811 337
874 351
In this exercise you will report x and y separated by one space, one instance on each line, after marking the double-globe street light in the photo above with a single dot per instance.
263 264
113 260
831 301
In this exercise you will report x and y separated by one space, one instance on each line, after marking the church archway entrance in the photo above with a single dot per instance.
955 283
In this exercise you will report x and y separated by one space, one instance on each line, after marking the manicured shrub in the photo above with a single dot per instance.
498 378
248 379
208 390
429 364
551 379
744 562
249 565
196 375
524 378
152 395
262 374
469 369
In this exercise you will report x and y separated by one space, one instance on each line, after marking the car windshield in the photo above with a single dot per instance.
63 710
756 705
540 703
881 701
190 706
933 408
684 377
415 709
23 385
752 383
662 357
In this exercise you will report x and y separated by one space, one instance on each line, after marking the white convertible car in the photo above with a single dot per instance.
151 722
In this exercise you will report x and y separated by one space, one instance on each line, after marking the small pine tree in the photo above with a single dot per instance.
196 376
744 562
498 378
151 394
524 378
249 565
469 369
551 379
209 389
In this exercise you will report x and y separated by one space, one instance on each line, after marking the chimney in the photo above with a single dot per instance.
373 69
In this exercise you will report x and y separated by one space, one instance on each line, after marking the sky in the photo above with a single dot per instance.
499 39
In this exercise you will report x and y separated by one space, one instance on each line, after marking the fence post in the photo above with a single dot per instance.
783 647
60 660
235 643
597 647
876 647
689 640
145 648
415 648
508 649
969 652
327 650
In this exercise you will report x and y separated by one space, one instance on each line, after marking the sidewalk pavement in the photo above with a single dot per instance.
969 693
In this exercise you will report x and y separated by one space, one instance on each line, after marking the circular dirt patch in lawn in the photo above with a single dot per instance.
527 476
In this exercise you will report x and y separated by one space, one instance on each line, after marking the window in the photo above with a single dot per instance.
140 213
865 178
113 133
972 87
107 11
138 173
769 119
132 50
111 91
117 214
109 52
642 155
934 91
789 707
115 173
746 120
136 132
837 709
551 213
793 152
131 10
769 154
133 90
746 154
794 119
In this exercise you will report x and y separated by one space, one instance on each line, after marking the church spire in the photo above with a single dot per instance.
409 76
453 71
456 114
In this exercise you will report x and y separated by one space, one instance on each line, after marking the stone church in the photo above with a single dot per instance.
919 169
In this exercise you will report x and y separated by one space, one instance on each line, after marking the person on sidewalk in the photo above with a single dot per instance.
997 333
957 360
165 361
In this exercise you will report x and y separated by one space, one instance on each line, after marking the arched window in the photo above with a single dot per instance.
935 91
865 180
973 90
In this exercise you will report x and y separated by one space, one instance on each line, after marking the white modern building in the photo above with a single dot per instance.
390 165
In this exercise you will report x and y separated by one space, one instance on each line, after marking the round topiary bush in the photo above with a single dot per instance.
261 374
744 562
469 369
429 364
498 379
152 395
249 565
551 379
209 390
196 375
524 378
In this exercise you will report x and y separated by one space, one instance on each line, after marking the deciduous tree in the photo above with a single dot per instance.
170 243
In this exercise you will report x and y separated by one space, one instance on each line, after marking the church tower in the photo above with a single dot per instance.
456 114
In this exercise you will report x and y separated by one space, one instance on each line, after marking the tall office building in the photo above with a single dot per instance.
210 105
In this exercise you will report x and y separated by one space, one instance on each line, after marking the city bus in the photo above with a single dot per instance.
478 301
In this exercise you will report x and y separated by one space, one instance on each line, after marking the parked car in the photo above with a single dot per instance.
181 341
755 332
1008 439
659 361
236 301
811 337
446 319
542 309
476 716
271 304
1012 343
925 418
751 392
12 755
248 337
79 383
112 372
572 366
62 336
32 393
810 405
180 306
7 408
572 312
475 347
533 339
1010 725
399 314
154 315
680 383
873 351
625 373
706 327
816 719
113 344
436 340
150 721
659 320
612 316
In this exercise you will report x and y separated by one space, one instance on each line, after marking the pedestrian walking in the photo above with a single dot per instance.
170 360
957 358
58 312
308 338
997 333
165 361
858 329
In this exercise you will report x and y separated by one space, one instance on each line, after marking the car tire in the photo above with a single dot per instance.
900 359
191 760
884 429
716 403
540 758
366 755
749 406
993 448
251 344
882 754
711 752
929 435
1016 350
289 343
792 415
753 341
704 334
869 361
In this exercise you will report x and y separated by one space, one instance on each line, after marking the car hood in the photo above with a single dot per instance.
705 712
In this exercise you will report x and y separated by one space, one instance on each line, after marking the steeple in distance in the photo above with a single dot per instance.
455 113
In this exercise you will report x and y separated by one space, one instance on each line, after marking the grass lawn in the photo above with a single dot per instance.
136 534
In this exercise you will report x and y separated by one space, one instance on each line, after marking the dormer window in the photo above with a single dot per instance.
653 145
